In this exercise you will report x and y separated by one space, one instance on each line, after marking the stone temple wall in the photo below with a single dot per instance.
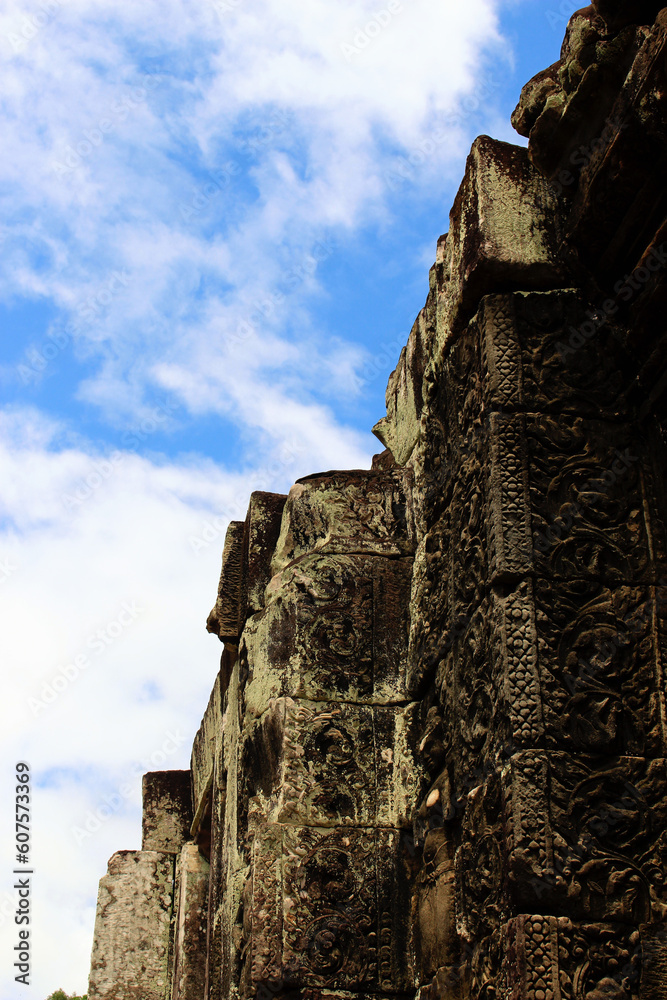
434 761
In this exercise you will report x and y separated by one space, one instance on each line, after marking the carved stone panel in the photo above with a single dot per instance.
347 513
331 913
585 524
581 836
263 911
553 352
328 909
544 957
451 562
329 774
578 484
481 860
552 958
587 500
432 630
572 666
328 764
434 459
336 629
602 686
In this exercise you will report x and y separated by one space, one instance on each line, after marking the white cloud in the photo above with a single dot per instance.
104 647
128 198
177 174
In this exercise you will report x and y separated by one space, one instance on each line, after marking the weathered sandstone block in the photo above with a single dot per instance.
132 928
539 352
263 530
581 836
399 430
504 234
572 103
227 617
167 810
336 629
332 764
622 236
345 513
190 932
553 665
328 906
206 749
559 498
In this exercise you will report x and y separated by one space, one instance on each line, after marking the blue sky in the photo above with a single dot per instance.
218 219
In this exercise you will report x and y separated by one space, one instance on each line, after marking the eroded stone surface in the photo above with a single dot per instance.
399 430
167 810
333 764
345 513
189 977
433 761
226 618
503 235
206 749
263 529
132 928
329 907
336 628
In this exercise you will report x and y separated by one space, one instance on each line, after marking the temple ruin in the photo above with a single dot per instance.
433 763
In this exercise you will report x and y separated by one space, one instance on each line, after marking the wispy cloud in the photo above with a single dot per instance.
256 119
179 183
